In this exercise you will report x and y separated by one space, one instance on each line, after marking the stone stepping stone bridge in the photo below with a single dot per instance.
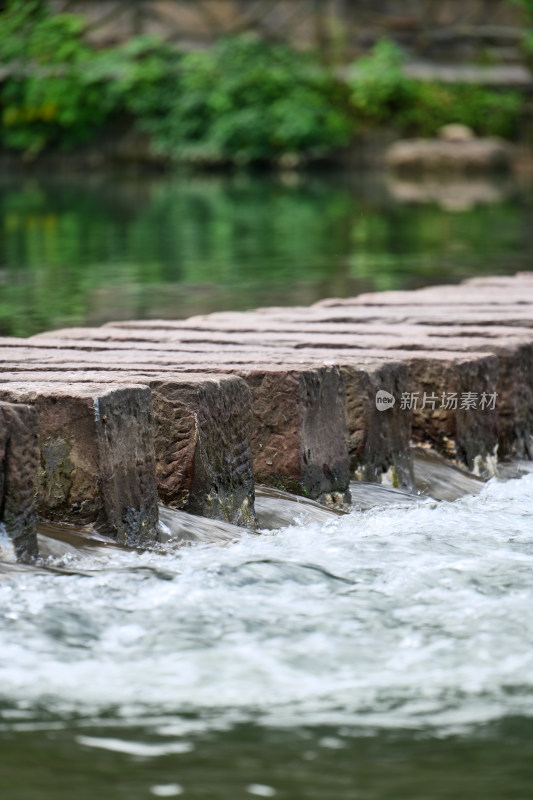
99 425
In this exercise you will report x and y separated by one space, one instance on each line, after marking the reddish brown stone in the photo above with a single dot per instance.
97 456
300 428
429 327
19 464
300 439
469 436
203 445
378 439
203 430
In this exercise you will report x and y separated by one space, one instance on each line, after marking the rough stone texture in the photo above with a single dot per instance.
301 426
514 349
378 440
300 438
203 431
515 400
97 456
362 428
475 337
466 436
203 446
19 464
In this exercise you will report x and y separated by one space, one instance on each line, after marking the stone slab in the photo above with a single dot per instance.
203 431
97 456
378 439
203 444
19 465
378 442
300 437
514 349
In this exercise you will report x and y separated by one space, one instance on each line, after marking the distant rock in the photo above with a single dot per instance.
456 150
455 132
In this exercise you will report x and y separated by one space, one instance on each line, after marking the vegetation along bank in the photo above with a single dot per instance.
244 100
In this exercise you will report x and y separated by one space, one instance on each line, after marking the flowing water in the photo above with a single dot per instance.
385 653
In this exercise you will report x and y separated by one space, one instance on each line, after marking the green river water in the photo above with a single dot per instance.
85 249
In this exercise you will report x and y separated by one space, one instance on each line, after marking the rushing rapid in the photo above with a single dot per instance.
406 616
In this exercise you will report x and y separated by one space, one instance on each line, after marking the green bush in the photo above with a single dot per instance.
378 85
245 100
59 90
487 112
382 93
45 96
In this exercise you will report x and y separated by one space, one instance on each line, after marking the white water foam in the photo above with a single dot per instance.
400 617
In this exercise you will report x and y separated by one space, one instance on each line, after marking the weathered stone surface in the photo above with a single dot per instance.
513 383
468 436
359 428
300 429
514 349
97 456
19 464
459 326
378 440
203 430
203 445
379 443
300 437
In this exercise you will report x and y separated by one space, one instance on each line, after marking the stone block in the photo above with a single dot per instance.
97 456
19 465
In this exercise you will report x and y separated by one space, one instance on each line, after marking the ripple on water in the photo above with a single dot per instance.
398 617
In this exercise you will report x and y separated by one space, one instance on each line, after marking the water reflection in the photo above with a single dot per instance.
87 249
494 763
456 194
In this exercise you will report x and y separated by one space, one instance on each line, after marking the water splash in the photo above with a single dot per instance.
399 617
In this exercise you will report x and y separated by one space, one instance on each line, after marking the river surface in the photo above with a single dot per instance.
86 249
380 654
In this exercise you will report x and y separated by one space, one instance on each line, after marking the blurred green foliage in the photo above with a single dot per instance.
246 100
527 41
381 92
58 89
243 100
